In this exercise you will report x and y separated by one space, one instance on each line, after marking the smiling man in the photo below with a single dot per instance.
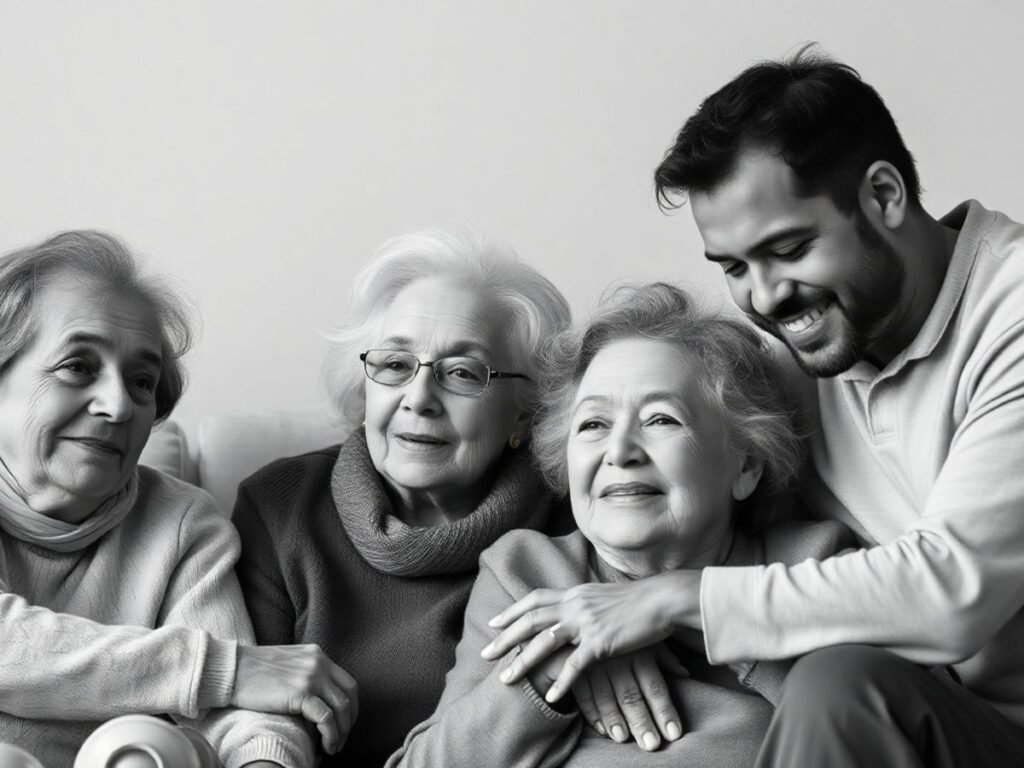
912 328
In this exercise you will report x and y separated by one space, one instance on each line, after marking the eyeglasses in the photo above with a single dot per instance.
458 375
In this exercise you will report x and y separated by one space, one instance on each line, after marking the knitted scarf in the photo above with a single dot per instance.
518 499
22 522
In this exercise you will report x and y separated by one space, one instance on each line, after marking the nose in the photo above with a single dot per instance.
420 394
624 447
111 399
768 289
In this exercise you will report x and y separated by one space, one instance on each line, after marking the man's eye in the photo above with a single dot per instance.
734 269
792 252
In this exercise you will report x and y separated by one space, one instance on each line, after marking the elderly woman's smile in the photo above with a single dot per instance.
77 405
651 472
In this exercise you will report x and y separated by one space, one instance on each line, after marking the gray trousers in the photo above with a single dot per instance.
859 706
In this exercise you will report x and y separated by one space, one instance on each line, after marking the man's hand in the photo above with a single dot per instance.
601 620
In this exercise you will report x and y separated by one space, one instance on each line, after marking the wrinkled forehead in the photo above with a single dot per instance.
73 307
442 316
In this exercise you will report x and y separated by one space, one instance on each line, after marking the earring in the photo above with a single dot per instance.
514 442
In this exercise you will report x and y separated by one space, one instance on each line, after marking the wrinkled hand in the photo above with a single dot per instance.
628 695
298 680
601 620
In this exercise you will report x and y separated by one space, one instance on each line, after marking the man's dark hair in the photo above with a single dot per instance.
814 113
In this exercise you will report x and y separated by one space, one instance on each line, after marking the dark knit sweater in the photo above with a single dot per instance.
309 524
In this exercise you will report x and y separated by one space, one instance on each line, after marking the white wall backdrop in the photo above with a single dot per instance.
259 151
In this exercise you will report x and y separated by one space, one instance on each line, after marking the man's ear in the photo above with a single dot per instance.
883 195
748 477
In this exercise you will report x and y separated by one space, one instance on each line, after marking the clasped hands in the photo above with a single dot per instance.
298 680
603 643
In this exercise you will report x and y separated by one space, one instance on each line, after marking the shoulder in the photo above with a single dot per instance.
172 499
524 560
286 478
794 541
994 294
171 512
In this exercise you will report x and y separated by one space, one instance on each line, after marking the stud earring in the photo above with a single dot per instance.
514 442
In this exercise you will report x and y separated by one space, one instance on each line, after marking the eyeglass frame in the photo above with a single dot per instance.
491 373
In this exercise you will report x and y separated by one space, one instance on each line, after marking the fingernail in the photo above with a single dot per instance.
600 728
674 731
618 733
493 622
650 741
506 675
486 650
552 695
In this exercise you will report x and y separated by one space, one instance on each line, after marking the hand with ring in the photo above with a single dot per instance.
600 620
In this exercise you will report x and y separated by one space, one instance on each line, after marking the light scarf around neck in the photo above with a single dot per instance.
517 499
22 522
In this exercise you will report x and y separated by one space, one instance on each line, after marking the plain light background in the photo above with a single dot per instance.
260 151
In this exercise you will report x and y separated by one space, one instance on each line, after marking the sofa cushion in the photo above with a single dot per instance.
167 450
233 446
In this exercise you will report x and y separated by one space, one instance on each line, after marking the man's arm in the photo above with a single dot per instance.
935 594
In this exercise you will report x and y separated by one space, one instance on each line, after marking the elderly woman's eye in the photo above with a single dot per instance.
74 367
590 425
396 364
661 420
464 372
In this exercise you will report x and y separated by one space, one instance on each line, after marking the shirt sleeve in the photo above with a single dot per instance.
936 593
205 593
62 666
480 720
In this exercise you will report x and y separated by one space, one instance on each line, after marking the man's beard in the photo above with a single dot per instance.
874 291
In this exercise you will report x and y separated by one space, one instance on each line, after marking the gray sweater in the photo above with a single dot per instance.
482 721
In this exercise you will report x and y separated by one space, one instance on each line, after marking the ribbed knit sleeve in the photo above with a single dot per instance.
480 720
204 592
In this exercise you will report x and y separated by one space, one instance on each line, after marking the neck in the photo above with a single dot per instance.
641 563
427 508
49 502
927 246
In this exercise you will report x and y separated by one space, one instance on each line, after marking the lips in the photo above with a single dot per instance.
420 438
806 320
98 444
628 490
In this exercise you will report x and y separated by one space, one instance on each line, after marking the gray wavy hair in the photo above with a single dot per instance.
738 376
532 307
99 256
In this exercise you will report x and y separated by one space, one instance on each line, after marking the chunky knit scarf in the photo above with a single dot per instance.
518 499
22 522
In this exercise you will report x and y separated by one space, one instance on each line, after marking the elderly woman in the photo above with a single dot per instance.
369 548
117 590
665 424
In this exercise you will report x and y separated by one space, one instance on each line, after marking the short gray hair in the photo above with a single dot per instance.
532 306
100 256
738 375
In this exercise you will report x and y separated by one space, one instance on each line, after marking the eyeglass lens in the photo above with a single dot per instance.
461 375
